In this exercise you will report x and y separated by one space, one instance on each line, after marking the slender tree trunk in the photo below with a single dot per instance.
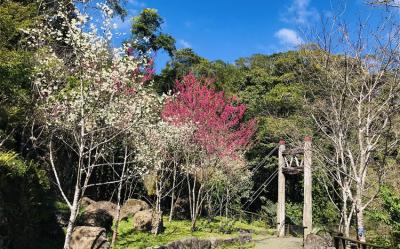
210 212
72 218
227 203
197 205
193 206
171 212
346 216
158 190
115 231
193 224
360 216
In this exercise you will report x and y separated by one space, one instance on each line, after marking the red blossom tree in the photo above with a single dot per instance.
218 119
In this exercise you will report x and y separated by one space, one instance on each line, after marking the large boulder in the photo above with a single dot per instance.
131 207
96 218
142 221
85 237
181 210
314 241
109 207
86 201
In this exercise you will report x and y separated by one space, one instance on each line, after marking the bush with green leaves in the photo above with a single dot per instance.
388 213
26 217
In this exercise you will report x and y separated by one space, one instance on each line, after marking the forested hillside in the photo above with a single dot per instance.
95 143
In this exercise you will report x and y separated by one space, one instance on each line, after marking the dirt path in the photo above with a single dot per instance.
278 243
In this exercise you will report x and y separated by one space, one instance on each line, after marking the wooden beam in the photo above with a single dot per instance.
281 192
307 208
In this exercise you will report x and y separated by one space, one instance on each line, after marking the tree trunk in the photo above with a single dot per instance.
227 204
360 226
171 212
346 216
115 231
193 225
72 218
360 217
210 213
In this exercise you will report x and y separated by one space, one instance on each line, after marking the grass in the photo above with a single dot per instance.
175 230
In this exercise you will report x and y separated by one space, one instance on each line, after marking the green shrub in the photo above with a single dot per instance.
26 217
268 212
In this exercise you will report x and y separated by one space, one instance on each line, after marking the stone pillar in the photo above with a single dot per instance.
280 212
307 208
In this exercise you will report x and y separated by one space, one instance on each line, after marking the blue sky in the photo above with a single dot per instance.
229 29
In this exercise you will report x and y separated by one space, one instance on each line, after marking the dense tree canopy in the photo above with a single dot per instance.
81 116
146 30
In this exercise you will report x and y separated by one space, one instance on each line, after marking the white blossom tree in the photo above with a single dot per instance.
89 95
160 150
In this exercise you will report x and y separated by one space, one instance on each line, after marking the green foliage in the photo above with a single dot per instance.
391 204
386 211
325 213
14 16
389 213
268 212
284 99
26 216
146 30
294 213
180 65
175 230
15 65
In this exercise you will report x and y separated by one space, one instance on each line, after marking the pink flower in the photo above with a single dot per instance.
220 126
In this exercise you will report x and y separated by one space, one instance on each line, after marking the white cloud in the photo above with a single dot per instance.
184 43
300 12
288 37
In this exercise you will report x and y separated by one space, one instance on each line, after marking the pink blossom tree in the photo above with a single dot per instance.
218 119
221 134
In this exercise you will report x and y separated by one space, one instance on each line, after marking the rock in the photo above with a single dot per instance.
131 207
86 201
96 218
195 243
109 207
245 238
204 244
188 243
314 241
142 220
181 210
84 237
215 242
185 243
